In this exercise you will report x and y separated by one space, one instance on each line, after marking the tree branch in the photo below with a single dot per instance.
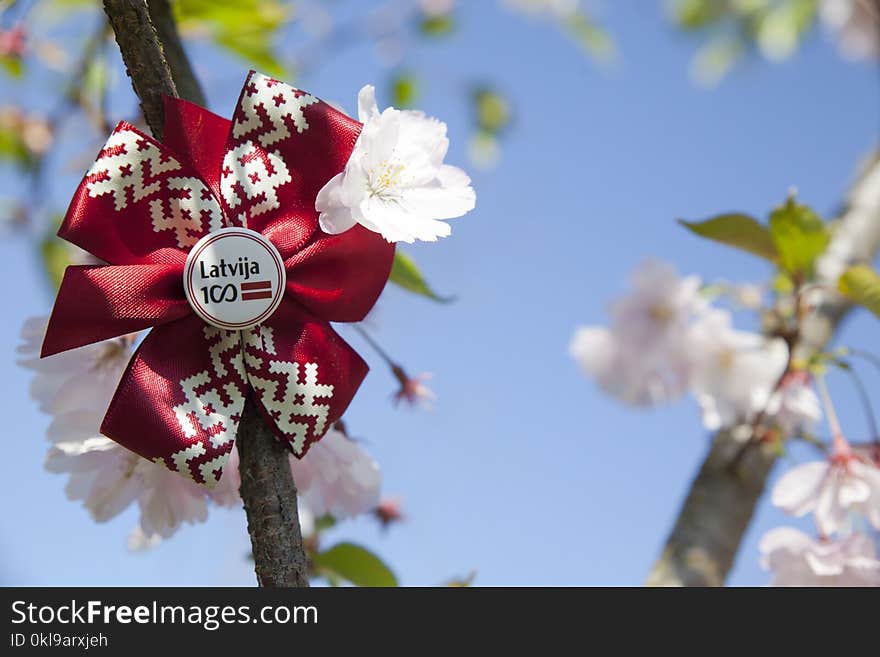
181 71
157 65
269 495
702 546
144 58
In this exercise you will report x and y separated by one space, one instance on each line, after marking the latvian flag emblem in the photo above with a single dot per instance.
256 290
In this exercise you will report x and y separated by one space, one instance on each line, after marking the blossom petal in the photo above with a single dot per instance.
871 475
179 406
786 539
96 303
829 513
797 491
367 108
335 217
338 477
336 221
453 199
168 501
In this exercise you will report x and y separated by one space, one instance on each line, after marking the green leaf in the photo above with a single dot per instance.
780 30
56 257
354 564
862 284
13 66
492 110
782 283
590 36
405 273
800 237
325 522
254 49
246 28
696 14
716 58
404 90
13 148
95 80
437 26
737 230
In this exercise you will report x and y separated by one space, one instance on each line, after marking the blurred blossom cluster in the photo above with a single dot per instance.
336 478
798 560
666 338
855 25
12 42
842 492
29 136
773 28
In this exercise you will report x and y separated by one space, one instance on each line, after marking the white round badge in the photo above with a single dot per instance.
234 278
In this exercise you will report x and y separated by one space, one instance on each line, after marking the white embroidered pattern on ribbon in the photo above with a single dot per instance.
251 171
255 173
301 394
277 101
208 408
130 165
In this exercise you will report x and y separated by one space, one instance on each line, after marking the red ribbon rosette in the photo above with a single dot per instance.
155 212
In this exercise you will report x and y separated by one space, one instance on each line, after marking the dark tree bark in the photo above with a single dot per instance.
269 493
702 546
181 70
144 58
158 65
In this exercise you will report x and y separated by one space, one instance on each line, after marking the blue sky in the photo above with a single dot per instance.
523 472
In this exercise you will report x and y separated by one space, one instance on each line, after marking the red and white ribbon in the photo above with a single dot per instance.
144 205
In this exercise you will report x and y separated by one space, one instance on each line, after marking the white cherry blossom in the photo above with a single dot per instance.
395 182
77 381
661 305
643 358
338 477
102 475
794 408
622 371
75 388
798 560
735 372
168 500
831 490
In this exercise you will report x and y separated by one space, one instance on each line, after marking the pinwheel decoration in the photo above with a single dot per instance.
212 240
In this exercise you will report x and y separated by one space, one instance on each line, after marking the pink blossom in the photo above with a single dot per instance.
798 560
831 490
413 390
